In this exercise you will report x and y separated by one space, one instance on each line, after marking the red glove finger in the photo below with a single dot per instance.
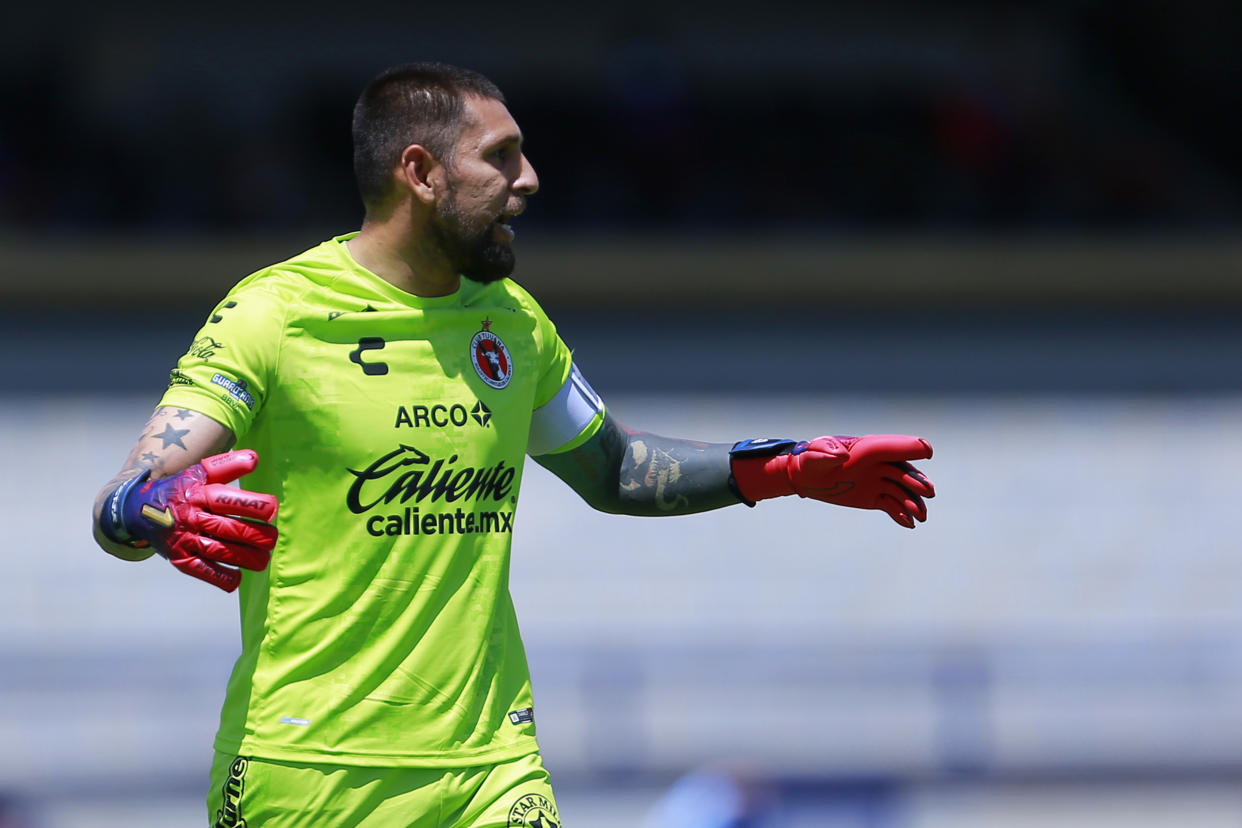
246 557
884 478
229 529
227 467
874 491
226 500
885 448
209 549
868 476
213 573
911 505
895 510
913 479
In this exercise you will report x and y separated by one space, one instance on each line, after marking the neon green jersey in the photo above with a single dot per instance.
392 428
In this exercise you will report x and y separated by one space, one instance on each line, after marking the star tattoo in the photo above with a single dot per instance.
172 436
150 457
182 414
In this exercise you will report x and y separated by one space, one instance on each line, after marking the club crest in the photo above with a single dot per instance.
533 811
490 357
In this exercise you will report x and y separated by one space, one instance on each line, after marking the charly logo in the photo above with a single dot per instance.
369 343
230 815
406 476
534 811
216 317
490 357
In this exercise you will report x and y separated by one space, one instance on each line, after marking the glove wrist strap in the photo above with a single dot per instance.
757 469
112 518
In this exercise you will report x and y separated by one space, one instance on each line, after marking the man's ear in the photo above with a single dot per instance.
420 172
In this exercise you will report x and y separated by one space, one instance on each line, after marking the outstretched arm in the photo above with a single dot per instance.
636 473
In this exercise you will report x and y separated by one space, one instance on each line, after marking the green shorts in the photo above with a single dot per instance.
249 792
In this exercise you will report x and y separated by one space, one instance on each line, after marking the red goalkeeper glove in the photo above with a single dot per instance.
203 527
871 472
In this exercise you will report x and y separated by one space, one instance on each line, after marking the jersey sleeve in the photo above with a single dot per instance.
569 419
227 369
567 411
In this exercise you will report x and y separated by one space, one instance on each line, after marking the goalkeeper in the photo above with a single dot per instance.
376 396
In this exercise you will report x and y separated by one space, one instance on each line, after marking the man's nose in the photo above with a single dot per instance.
527 182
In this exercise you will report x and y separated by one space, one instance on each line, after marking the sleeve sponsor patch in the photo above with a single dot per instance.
565 416
237 389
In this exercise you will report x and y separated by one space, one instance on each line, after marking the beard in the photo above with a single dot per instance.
468 245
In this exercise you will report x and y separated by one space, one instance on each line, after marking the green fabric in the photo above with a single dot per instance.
279 794
382 633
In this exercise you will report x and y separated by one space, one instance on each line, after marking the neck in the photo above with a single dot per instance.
390 250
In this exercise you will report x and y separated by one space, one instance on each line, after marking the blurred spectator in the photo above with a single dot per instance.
715 798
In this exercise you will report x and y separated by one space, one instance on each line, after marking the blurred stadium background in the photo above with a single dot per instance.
1010 228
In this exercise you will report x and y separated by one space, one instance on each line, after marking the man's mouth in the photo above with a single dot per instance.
502 231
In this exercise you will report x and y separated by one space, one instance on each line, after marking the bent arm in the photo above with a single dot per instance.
635 473
172 440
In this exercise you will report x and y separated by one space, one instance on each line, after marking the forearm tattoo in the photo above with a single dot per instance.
172 440
668 476
635 473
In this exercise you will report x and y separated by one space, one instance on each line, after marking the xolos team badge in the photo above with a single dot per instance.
490 357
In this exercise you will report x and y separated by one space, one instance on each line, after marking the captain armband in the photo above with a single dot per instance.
560 421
